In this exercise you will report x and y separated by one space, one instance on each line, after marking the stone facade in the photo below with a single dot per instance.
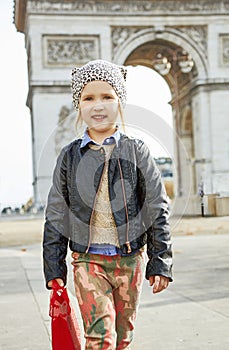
61 34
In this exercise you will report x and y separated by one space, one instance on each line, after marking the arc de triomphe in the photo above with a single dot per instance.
62 34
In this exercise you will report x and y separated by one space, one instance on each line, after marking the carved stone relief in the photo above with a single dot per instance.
69 50
65 131
224 49
198 34
119 35
129 7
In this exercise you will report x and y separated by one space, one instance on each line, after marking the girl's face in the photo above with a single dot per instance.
99 106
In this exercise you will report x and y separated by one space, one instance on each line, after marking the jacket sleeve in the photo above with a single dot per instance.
55 239
156 213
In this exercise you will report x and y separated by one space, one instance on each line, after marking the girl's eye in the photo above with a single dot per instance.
87 98
108 97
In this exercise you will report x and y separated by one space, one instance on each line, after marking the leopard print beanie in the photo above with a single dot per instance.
99 70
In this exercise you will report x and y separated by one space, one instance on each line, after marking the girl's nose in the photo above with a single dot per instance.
98 105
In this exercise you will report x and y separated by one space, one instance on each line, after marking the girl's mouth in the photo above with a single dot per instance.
98 118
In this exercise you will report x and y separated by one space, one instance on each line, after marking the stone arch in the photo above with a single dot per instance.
135 50
170 36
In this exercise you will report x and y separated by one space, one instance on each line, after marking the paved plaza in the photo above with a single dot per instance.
192 314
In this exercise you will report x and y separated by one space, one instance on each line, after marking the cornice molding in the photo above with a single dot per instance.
20 12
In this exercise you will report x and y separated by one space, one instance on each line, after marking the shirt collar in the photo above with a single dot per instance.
114 138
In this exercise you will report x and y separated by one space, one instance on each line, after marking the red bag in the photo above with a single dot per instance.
65 328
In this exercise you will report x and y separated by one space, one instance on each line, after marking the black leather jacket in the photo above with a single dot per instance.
138 202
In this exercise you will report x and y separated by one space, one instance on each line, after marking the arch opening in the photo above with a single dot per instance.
147 89
179 84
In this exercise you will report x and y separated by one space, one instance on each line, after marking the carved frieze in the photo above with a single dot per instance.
224 49
129 7
65 131
69 50
119 35
198 34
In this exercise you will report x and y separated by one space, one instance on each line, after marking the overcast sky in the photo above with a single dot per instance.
15 134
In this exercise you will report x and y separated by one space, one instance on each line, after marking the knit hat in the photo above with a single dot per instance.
99 70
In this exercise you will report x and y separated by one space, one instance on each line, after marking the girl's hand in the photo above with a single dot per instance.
159 283
59 281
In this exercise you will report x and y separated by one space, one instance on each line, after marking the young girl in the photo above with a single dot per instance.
106 202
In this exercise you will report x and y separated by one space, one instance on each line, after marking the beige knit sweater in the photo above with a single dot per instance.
104 230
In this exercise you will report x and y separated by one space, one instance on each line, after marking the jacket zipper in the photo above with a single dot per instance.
93 209
126 210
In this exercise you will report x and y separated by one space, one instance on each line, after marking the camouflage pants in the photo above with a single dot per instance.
108 290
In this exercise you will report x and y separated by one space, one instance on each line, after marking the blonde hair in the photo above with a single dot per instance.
79 119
